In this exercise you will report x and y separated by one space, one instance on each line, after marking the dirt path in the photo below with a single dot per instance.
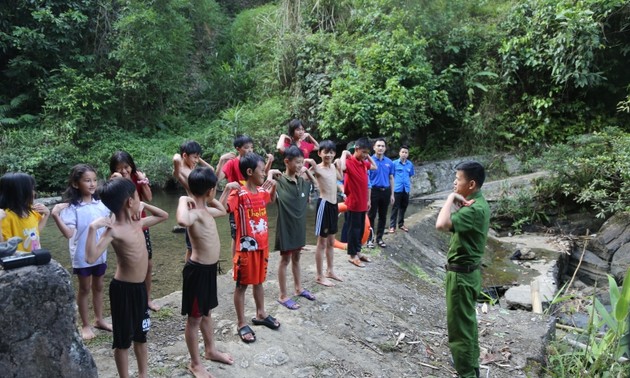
380 322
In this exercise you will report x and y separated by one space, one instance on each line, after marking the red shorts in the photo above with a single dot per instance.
250 268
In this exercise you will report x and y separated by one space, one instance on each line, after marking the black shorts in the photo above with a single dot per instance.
232 226
327 216
147 239
199 293
130 313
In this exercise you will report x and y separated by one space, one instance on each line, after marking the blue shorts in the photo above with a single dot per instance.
96 270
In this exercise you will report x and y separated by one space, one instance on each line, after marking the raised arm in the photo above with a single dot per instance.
45 213
309 138
345 154
205 164
183 215
216 208
281 142
66 231
145 189
157 215
94 250
452 204
222 161
226 192
373 165
268 162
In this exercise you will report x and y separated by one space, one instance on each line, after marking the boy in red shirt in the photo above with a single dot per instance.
248 203
355 165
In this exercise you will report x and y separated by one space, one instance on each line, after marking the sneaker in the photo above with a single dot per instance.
392 230
370 244
404 228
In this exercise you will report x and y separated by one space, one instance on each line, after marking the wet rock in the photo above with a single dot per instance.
38 336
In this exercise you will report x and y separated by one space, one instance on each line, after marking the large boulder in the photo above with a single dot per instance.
607 252
38 336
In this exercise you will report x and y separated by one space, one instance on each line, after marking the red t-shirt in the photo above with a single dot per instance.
250 215
355 184
233 172
304 146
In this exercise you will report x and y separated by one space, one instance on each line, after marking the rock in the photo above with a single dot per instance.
37 328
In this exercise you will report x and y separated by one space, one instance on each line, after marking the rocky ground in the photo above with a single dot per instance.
380 322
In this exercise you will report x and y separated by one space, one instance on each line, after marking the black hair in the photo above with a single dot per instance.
190 147
293 125
404 146
473 171
249 161
362 144
17 193
328 145
293 152
242 140
200 180
115 192
72 195
380 139
120 157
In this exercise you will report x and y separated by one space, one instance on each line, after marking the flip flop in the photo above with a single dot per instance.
307 294
365 258
290 304
269 322
356 262
246 330
382 244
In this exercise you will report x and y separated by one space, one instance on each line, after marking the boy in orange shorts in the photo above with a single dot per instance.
248 203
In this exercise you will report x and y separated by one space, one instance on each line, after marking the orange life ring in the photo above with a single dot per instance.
366 230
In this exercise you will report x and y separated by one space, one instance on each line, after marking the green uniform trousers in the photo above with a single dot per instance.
462 290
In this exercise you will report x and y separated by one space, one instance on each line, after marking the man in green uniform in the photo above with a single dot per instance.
467 214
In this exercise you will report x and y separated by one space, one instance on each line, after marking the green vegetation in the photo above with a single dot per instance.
84 78
598 349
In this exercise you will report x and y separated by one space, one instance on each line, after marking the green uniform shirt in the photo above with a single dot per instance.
470 232
292 198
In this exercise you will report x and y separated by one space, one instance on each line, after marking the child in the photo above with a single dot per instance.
292 198
183 163
73 218
299 137
355 166
231 171
19 216
403 169
248 203
326 174
121 164
127 291
199 294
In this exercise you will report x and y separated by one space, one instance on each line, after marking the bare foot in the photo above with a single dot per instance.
199 371
153 306
219 357
103 325
334 276
324 281
87 333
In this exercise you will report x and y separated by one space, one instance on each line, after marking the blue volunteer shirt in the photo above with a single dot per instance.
380 176
403 172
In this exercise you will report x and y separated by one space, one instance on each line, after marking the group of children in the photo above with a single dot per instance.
92 217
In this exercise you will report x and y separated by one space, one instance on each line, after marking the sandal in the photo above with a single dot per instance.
307 294
392 230
269 322
290 304
246 330
364 258
381 244
404 228
356 262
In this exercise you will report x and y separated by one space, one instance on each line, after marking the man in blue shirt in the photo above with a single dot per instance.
381 191
403 170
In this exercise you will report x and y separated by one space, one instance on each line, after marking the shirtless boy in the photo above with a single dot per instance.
326 174
199 295
184 162
127 291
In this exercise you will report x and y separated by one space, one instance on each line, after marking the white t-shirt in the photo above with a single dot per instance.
79 218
